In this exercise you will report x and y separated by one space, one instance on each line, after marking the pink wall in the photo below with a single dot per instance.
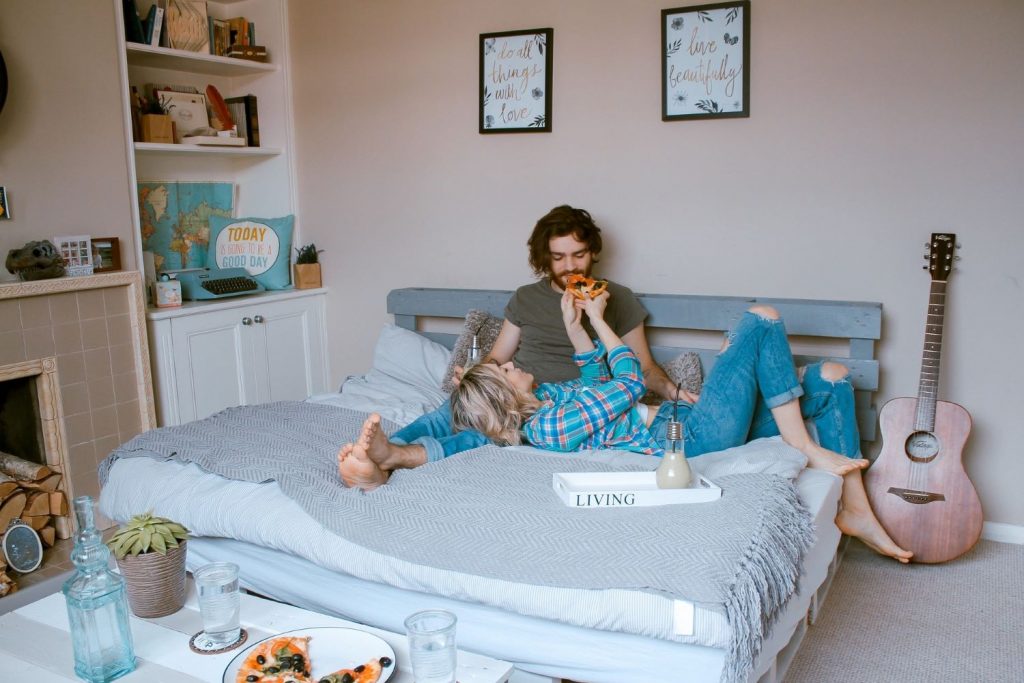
872 125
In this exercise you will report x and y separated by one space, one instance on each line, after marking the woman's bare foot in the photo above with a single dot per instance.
388 456
357 470
867 528
819 458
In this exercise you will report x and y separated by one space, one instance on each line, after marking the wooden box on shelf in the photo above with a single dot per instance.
157 128
306 275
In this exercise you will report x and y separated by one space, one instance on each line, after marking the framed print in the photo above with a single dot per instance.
106 254
5 207
77 253
705 67
515 81
187 110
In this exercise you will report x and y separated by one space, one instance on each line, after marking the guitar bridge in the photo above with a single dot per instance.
916 497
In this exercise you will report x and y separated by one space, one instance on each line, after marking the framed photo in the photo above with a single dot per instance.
77 253
515 81
106 254
5 207
705 67
187 110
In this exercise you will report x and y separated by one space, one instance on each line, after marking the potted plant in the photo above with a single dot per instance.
150 552
307 267
157 125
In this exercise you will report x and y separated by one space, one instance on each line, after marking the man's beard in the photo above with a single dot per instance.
560 278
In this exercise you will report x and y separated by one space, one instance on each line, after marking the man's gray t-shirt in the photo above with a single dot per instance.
544 348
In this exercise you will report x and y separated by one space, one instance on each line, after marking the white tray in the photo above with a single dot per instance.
627 489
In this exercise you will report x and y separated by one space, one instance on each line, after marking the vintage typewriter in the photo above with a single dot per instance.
216 283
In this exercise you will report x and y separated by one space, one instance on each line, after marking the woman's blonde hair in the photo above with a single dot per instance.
486 401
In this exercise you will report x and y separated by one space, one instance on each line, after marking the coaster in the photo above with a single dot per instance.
201 645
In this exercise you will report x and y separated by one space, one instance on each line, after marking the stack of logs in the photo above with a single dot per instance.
32 493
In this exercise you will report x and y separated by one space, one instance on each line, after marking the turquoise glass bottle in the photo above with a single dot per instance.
97 605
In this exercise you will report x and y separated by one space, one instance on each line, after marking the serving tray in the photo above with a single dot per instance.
627 489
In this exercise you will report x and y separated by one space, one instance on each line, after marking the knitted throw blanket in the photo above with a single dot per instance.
493 512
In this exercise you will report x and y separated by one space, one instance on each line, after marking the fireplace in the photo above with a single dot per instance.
74 365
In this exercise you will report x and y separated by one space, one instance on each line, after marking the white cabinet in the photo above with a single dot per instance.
253 349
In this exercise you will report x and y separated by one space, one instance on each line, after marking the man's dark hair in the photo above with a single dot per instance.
558 222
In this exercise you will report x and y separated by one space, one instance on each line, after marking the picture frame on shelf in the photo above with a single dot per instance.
705 65
106 254
77 253
515 81
187 27
187 111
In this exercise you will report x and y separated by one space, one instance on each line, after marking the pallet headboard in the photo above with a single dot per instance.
856 323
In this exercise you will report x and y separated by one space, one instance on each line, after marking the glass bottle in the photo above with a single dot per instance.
473 357
674 471
97 605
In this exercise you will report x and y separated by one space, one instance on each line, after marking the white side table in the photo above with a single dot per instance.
36 643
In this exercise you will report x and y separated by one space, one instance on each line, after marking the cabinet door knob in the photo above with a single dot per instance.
258 318
247 321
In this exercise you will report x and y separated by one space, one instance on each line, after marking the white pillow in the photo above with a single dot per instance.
770 456
410 357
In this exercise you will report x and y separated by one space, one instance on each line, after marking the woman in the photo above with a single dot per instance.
752 391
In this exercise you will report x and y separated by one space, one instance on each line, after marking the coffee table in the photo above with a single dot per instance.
35 643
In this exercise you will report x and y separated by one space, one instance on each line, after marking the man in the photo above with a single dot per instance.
564 242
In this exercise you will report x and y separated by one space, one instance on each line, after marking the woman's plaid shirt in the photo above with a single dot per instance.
596 410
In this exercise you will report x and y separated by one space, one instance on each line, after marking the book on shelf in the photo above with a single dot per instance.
220 37
133 32
244 112
156 24
242 31
187 26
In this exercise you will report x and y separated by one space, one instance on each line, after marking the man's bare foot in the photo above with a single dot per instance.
866 527
357 470
388 456
819 458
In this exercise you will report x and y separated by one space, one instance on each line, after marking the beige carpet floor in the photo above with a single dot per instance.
959 622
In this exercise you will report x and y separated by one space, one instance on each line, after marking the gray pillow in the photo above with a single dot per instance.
683 368
486 327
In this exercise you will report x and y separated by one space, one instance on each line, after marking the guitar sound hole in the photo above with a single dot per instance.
922 446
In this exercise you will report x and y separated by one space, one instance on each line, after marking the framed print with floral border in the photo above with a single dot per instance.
515 81
705 66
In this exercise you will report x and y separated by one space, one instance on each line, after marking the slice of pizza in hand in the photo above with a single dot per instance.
580 286
364 673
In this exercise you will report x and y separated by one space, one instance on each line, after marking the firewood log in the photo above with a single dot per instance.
50 482
38 503
58 503
7 585
37 522
46 535
7 484
12 507
20 468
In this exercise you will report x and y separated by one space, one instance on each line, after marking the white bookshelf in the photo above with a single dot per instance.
264 176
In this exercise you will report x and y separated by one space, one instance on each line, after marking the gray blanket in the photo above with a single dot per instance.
492 512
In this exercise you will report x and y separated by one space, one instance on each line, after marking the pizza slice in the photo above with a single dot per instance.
580 286
364 673
284 659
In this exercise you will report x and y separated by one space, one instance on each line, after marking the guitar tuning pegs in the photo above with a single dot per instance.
924 267
956 258
925 257
958 245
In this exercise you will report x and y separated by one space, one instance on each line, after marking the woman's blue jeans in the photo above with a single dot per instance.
433 431
754 374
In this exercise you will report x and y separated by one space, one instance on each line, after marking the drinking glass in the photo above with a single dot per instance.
432 645
219 603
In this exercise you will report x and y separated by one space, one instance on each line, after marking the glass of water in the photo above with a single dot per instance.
219 603
432 645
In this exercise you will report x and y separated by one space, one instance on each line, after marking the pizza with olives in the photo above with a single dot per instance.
284 659
580 286
364 673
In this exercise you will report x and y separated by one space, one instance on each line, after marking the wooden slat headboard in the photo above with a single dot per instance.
856 323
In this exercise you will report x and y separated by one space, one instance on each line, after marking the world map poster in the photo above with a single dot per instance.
175 220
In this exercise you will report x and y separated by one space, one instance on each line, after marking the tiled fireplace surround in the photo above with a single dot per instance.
95 328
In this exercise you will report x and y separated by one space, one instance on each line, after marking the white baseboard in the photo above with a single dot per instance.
1004 533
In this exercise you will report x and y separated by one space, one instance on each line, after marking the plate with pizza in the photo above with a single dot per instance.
324 654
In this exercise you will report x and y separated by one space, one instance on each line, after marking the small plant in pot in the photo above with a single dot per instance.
307 267
150 552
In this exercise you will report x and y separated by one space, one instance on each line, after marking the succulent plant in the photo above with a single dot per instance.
307 254
145 533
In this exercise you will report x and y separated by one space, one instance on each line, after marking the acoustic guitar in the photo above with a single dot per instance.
917 485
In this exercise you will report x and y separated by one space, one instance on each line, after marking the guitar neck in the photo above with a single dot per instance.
928 386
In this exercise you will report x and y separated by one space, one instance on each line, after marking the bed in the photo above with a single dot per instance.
582 634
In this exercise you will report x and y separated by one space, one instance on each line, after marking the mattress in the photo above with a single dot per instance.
274 550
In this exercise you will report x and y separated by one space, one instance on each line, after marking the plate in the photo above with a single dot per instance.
330 648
